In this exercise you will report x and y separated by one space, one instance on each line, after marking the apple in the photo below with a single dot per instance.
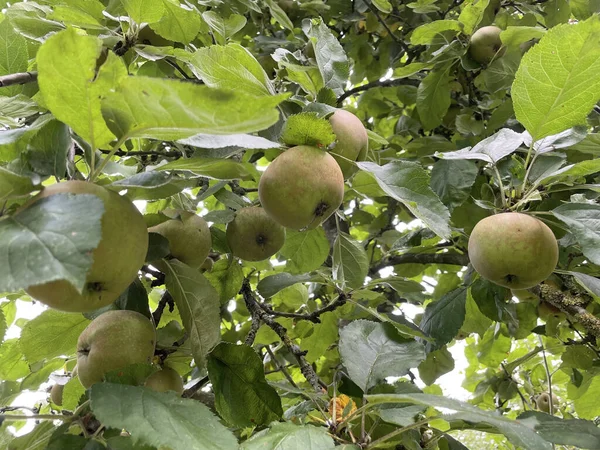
189 238
56 394
253 235
352 141
543 401
513 250
165 380
302 187
117 259
486 44
114 340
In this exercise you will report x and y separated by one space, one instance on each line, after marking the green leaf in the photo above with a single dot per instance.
279 14
12 363
72 393
223 28
548 97
52 333
572 172
229 67
372 351
59 233
491 149
443 318
36 378
170 109
350 262
242 395
198 304
324 334
383 5
592 284
13 55
471 14
140 11
307 129
575 432
437 363
35 440
271 285
305 251
152 185
226 278
433 97
331 58
177 24
429 33
452 181
583 221
288 436
408 182
308 77
518 433
48 148
160 419
66 70
216 168
15 185
3 327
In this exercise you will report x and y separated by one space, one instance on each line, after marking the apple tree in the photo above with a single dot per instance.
262 224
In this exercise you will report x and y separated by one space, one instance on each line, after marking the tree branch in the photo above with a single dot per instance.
571 304
398 41
378 83
18 78
165 300
455 259
258 313
313 316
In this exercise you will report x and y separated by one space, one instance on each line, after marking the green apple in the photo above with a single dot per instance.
165 380
513 250
117 259
114 340
253 235
189 238
56 394
486 44
302 187
352 141
543 402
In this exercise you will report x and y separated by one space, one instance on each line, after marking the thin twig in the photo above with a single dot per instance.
398 41
313 316
258 313
455 259
18 78
376 84
280 368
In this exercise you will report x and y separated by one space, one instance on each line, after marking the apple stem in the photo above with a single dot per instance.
501 186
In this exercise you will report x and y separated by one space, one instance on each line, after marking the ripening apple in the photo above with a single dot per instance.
352 141
114 340
165 380
513 250
116 260
486 44
253 235
302 187
543 402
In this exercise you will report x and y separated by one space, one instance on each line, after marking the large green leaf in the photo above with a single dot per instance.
15 185
452 181
350 262
170 109
242 395
288 436
177 24
433 97
227 278
12 363
583 221
305 251
198 304
372 351
518 433
229 67
549 97
430 33
13 55
160 419
578 433
58 234
331 58
408 182
217 168
144 10
443 318
66 72
52 333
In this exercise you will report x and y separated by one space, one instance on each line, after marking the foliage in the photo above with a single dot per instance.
181 105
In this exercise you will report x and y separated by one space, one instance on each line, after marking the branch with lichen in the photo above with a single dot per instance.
260 315
571 303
